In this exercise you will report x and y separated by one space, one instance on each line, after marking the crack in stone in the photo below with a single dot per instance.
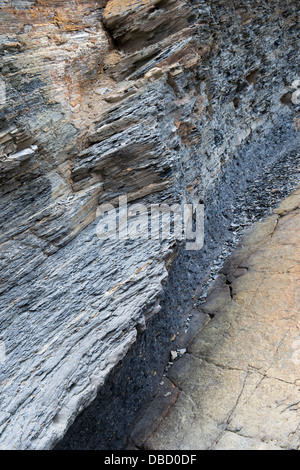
249 367
290 406
246 390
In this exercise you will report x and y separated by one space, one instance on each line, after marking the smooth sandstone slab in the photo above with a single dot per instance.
240 378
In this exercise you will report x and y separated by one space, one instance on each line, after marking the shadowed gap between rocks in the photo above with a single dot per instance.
249 187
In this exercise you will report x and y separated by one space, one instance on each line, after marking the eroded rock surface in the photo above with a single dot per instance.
237 387
100 99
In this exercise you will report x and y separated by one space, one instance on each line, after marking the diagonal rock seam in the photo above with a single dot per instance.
179 376
99 99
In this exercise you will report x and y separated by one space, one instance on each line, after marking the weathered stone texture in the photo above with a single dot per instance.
238 384
99 99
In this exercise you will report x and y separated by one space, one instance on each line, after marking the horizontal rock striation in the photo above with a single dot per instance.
148 99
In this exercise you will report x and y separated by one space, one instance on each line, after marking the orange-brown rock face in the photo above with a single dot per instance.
148 99
56 49
138 23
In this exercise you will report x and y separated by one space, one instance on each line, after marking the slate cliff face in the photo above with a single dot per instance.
99 99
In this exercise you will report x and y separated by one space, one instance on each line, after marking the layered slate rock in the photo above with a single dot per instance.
99 100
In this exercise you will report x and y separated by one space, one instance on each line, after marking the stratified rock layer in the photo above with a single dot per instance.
145 98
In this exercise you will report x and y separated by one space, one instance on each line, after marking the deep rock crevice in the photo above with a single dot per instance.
136 379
